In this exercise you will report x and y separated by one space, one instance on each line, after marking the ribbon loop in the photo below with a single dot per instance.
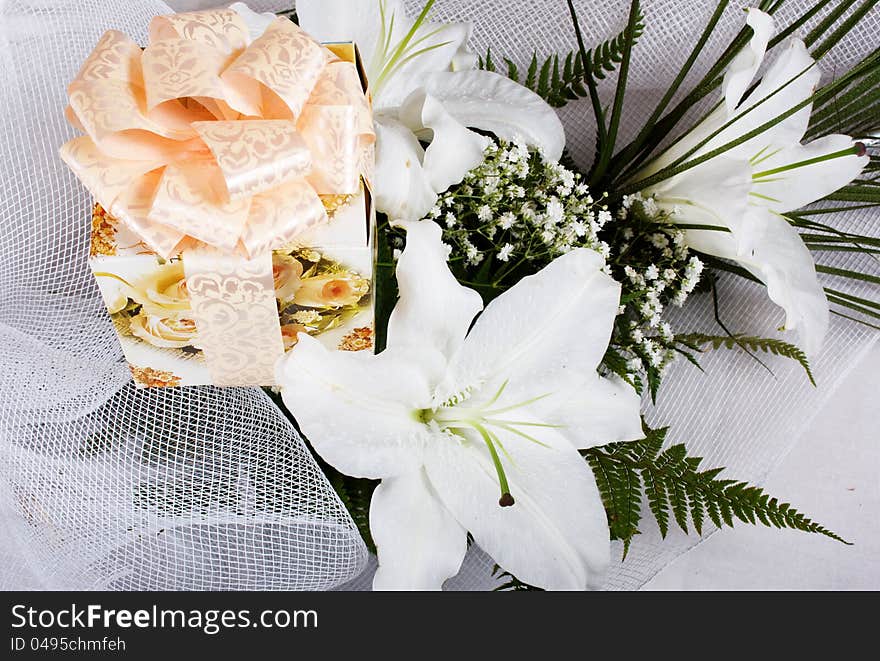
256 156
194 137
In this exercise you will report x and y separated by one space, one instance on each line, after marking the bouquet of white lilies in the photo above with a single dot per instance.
526 275
516 426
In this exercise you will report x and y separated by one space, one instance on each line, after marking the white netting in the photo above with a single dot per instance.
103 486
106 487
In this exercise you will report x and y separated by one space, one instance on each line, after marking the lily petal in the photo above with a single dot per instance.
490 102
464 60
792 189
716 194
453 149
555 536
419 543
745 65
357 408
433 46
542 329
774 252
441 47
341 20
795 69
598 411
434 310
795 74
402 188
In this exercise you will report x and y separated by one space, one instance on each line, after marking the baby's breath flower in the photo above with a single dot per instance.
659 240
506 220
517 203
656 270
555 211
634 365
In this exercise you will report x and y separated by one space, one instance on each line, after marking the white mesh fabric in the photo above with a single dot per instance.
102 486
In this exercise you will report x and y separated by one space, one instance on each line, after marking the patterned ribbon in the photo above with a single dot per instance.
208 146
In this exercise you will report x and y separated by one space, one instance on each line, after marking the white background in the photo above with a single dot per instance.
833 476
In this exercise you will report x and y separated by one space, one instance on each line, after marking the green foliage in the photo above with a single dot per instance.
606 56
678 491
385 289
822 238
696 342
848 104
614 363
355 494
560 79
511 582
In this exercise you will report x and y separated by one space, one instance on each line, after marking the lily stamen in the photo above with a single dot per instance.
404 51
456 419
858 149
489 438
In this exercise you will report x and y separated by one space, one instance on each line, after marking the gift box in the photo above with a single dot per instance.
233 212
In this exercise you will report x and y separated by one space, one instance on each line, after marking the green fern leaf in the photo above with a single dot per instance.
676 489
511 582
512 71
696 342
487 64
561 78
355 494
543 87
532 74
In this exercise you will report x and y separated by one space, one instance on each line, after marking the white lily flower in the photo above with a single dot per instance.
425 87
748 189
450 420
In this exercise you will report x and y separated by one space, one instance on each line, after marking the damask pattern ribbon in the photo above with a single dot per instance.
205 143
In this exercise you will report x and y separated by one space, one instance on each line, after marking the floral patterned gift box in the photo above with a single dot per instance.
323 287
230 162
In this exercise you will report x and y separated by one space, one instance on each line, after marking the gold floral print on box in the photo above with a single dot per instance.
152 378
103 232
325 292
314 295
360 339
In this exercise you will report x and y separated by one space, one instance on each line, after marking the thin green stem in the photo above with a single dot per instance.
673 170
626 155
845 273
825 24
590 80
796 25
607 149
843 29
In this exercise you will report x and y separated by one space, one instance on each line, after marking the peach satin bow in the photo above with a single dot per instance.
207 145
205 138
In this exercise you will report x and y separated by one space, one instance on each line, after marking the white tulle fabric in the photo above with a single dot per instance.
106 487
